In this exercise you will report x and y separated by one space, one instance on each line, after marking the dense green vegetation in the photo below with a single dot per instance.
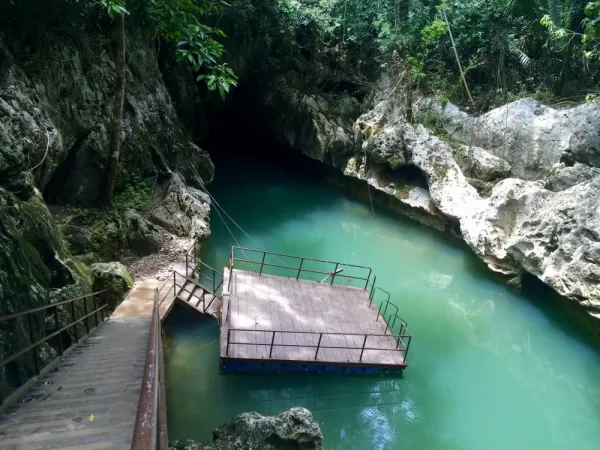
507 48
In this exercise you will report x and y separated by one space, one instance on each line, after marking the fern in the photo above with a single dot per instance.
523 58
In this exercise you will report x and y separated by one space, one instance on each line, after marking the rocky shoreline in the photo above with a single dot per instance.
479 183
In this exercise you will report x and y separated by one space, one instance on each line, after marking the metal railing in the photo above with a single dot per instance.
301 268
150 430
198 270
319 346
179 287
390 321
69 313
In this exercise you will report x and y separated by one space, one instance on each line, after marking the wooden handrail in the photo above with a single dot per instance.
150 431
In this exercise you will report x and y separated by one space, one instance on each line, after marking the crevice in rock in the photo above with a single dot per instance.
341 86
52 191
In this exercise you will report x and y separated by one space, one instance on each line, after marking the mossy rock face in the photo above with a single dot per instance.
113 278
36 269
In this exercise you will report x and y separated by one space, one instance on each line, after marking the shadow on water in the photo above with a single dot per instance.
564 314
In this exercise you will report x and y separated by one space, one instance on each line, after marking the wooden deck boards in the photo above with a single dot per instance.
261 304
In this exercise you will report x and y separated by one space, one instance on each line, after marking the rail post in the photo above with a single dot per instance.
334 272
372 290
230 271
262 263
174 283
74 323
187 270
363 348
87 319
407 346
214 277
227 350
368 278
57 327
318 345
272 341
34 351
95 307
300 269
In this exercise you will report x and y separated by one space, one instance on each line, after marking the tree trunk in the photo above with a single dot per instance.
116 124
576 16
409 95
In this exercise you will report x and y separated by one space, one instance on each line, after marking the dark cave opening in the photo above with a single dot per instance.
238 131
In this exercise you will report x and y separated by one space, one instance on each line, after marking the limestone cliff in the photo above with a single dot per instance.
549 227
56 95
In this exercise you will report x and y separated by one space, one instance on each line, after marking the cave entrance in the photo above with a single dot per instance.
239 131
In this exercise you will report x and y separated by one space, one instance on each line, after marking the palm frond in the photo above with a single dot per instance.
523 58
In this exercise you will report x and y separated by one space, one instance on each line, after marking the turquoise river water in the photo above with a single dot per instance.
489 368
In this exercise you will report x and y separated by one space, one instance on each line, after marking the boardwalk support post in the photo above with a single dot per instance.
363 347
228 334
262 263
300 269
318 345
272 341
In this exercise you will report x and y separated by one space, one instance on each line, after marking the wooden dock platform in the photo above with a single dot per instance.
275 323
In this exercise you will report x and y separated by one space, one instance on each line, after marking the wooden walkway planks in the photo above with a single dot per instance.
260 304
91 400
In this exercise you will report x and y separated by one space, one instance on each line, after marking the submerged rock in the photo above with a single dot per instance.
294 429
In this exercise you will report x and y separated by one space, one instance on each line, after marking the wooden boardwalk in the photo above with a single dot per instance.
301 313
91 400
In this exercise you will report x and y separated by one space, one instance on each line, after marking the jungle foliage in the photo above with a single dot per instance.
507 48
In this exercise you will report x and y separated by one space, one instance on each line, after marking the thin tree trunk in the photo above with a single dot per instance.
462 75
409 95
116 124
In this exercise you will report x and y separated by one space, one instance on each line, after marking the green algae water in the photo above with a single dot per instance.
489 368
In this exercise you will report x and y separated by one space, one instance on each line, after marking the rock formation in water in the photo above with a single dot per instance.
294 429
545 222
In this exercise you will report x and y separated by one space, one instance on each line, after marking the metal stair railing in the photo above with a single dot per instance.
195 268
66 317
180 287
